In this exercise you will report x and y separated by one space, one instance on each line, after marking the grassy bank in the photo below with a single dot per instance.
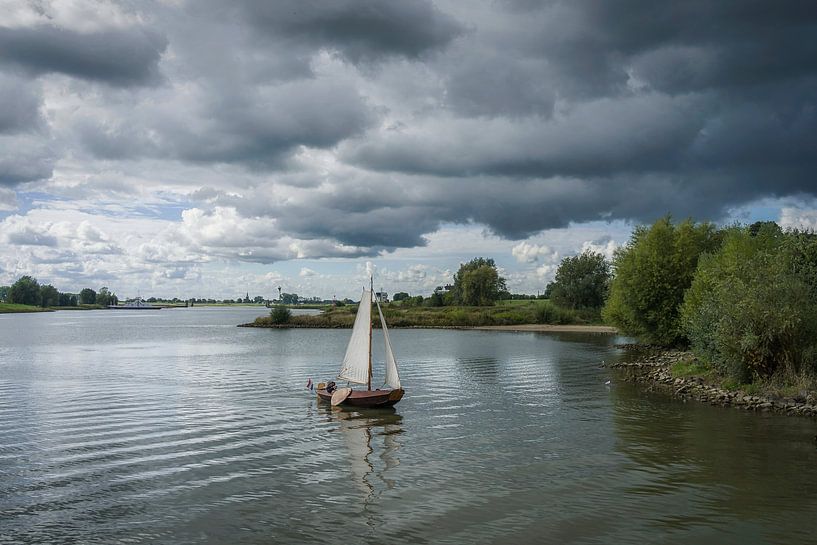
80 307
255 305
8 308
777 386
520 312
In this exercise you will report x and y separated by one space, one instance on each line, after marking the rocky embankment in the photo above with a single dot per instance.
653 368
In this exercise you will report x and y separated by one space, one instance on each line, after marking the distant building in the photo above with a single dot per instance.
382 296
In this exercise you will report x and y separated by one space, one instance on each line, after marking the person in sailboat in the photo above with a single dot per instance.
357 364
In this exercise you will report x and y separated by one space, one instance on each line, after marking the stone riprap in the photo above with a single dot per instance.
653 368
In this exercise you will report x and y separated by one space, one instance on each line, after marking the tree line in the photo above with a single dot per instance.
28 291
743 298
476 283
581 283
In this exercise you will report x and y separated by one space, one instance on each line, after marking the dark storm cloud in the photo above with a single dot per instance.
256 127
260 127
360 30
387 224
489 84
617 110
603 137
25 153
119 57
676 46
388 227
20 101
362 211
372 123
25 158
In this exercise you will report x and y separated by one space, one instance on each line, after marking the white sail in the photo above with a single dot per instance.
392 378
355 367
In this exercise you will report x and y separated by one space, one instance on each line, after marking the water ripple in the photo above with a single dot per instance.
191 431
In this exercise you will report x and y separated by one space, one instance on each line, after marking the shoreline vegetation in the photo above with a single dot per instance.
520 314
742 300
28 295
681 374
14 308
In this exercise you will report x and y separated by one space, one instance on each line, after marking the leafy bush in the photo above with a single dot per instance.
435 300
751 311
280 315
651 275
548 313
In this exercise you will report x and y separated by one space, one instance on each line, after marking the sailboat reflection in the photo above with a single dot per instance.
371 437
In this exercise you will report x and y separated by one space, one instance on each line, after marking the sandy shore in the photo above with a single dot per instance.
554 328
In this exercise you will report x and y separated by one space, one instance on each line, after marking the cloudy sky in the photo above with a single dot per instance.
208 148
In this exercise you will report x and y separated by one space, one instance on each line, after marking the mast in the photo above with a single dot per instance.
371 294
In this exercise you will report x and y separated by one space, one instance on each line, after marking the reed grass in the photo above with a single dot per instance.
522 312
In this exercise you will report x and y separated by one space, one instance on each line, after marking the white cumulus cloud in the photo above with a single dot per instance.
526 252
798 218
606 247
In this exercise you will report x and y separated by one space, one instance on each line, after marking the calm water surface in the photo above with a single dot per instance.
174 426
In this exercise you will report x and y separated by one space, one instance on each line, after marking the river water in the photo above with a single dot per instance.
174 426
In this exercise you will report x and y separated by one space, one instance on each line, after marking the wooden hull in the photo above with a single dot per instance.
366 398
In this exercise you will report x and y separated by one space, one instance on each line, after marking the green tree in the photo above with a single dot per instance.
752 309
582 281
280 314
652 272
26 291
4 293
105 297
400 295
87 296
49 296
67 300
289 298
477 283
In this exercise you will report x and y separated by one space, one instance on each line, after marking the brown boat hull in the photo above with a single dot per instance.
366 398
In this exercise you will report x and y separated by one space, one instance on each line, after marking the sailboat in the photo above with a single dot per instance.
357 364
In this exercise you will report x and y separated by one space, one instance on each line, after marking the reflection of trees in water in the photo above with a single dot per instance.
371 439
602 340
740 464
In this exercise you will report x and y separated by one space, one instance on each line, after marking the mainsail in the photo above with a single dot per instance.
392 378
355 367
